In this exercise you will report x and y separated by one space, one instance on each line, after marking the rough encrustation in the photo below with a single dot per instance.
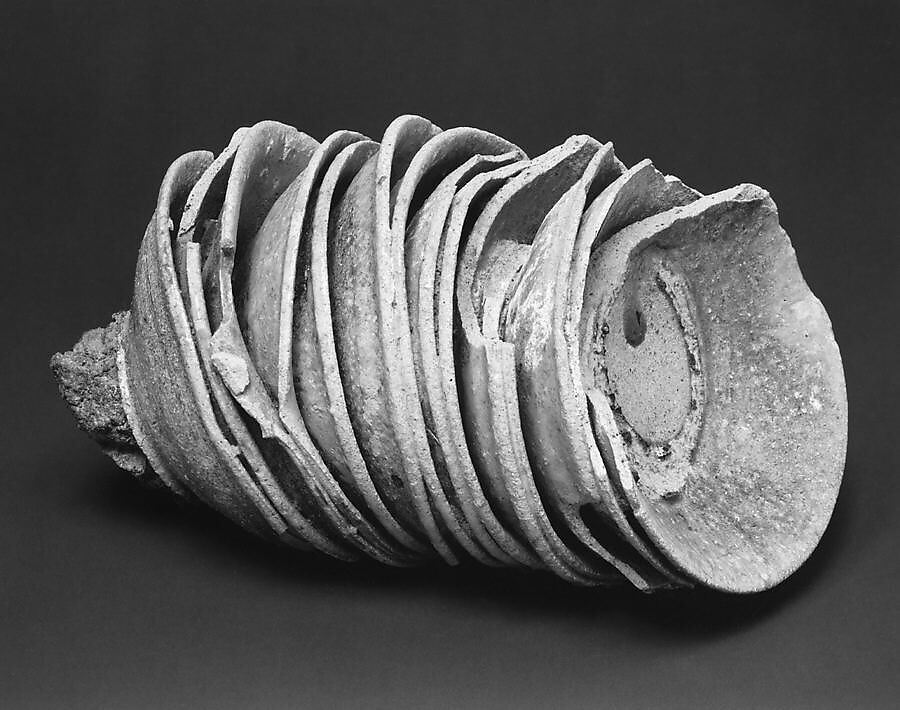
88 381
434 347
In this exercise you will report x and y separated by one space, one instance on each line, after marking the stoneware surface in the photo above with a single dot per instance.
119 596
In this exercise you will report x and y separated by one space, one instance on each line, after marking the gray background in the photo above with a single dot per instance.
111 597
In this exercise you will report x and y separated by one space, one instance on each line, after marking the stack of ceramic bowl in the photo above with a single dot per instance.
433 346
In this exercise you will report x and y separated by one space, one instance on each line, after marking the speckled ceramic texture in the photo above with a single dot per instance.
431 347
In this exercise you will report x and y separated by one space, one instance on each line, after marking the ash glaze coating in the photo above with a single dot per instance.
432 347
